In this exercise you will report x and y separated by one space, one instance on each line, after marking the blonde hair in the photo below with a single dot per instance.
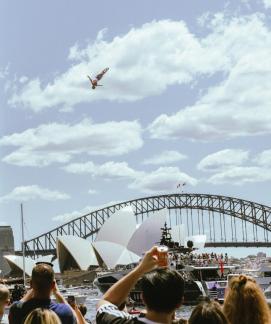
245 302
42 316
4 294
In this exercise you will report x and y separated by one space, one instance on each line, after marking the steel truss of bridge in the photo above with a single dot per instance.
227 221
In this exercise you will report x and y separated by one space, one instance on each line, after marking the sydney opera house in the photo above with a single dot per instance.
119 242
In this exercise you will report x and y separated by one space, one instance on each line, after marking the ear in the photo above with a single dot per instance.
53 284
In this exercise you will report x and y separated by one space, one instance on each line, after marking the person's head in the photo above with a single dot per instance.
42 316
83 309
245 302
208 312
162 290
42 279
4 296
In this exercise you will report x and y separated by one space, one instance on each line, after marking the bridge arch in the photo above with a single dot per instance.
237 209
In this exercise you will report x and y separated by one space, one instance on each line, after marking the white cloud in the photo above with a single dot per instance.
27 157
23 79
92 191
66 217
107 170
267 4
33 192
164 179
240 105
55 142
223 159
165 157
4 71
171 55
264 158
241 175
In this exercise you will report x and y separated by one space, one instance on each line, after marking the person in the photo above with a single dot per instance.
42 284
79 315
42 316
162 292
245 302
83 310
94 82
208 312
4 301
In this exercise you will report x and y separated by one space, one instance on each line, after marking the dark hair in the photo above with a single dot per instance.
42 276
209 312
162 290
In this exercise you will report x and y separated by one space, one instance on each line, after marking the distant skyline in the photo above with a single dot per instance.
186 99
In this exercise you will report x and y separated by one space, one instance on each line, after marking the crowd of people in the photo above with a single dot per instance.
162 293
205 259
36 305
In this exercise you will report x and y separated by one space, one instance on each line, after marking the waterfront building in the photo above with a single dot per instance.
6 247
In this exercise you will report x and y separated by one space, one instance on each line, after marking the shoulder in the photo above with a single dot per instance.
107 313
64 311
61 308
15 307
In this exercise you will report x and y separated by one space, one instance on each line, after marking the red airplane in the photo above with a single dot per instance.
94 82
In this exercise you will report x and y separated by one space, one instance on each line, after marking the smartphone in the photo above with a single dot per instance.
71 300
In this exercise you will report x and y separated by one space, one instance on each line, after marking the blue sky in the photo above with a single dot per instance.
187 99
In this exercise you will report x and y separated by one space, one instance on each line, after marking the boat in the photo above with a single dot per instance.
79 297
262 274
212 280
199 280
267 294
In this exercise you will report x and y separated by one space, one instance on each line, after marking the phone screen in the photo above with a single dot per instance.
71 300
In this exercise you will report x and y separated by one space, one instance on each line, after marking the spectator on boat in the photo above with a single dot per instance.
4 301
42 316
245 302
208 312
42 284
162 293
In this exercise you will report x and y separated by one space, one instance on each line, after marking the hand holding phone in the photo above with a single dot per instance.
71 300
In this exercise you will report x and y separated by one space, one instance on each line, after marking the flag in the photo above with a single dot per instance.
221 263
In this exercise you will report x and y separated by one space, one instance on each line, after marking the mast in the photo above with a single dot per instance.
23 247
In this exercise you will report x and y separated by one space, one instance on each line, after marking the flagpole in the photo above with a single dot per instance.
23 247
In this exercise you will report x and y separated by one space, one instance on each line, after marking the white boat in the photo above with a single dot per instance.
262 275
267 293
80 298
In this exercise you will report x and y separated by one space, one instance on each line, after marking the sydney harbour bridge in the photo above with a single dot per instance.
226 221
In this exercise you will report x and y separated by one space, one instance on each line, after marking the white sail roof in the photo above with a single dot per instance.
148 233
119 227
127 257
113 254
76 249
49 258
198 240
16 261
